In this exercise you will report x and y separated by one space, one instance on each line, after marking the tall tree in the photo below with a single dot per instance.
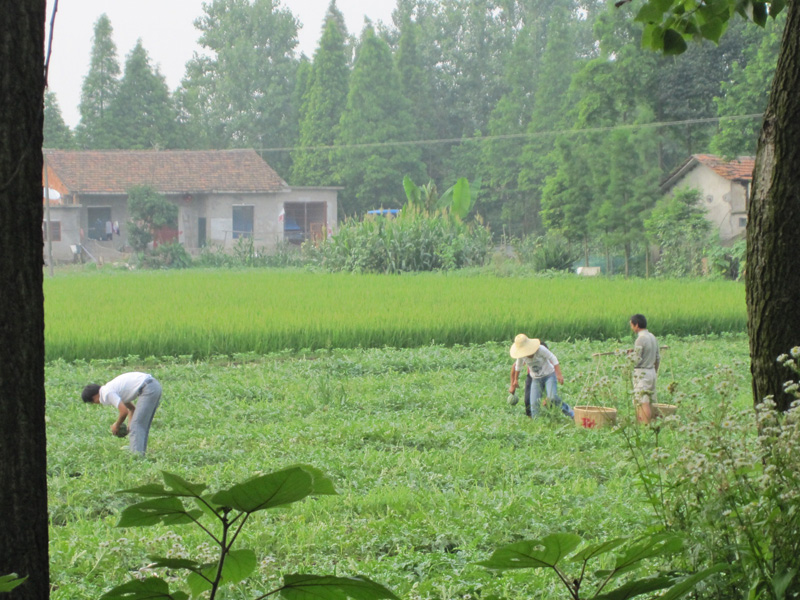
23 461
99 89
244 89
323 103
772 278
57 133
552 107
142 112
375 114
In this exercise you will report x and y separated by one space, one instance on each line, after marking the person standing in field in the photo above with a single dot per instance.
120 393
543 371
645 372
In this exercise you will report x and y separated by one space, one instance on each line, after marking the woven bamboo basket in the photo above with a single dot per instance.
663 410
592 417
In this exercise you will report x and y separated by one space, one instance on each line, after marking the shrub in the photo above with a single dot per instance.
414 240
733 488
166 256
550 252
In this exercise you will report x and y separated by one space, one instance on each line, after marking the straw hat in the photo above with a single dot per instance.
524 346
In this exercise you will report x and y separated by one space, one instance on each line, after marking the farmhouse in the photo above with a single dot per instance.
222 196
724 187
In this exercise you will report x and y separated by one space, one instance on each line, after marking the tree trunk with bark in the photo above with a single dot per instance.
773 228
23 462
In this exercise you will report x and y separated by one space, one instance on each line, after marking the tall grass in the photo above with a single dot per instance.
201 313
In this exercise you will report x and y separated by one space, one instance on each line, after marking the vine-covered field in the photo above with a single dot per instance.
203 313
434 469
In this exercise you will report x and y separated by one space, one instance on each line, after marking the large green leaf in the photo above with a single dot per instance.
9 582
169 511
322 486
635 588
174 563
594 550
713 30
674 42
533 554
462 200
147 589
176 487
274 489
238 565
322 587
686 585
412 191
650 12
650 547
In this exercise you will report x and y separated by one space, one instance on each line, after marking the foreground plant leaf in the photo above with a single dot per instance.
238 565
638 587
316 587
686 585
533 554
177 486
169 511
274 489
151 588
9 582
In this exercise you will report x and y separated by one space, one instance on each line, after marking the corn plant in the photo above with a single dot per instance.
229 510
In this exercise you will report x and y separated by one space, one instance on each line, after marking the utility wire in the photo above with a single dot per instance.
511 136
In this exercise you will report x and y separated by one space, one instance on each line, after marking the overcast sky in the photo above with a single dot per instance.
168 34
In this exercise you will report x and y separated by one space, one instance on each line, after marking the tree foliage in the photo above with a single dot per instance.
148 210
99 89
374 114
57 133
143 116
322 104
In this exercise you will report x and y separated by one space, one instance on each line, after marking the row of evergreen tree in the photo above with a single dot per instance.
550 106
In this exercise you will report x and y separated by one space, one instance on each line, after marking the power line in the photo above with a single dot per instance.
511 136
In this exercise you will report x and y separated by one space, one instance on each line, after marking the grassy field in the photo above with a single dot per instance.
199 313
434 469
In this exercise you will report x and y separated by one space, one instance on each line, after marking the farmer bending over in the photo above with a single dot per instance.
543 373
121 392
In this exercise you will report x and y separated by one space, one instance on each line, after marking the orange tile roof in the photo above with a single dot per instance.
738 169
168 171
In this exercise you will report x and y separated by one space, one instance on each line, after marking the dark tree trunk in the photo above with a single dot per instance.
23 462
773 269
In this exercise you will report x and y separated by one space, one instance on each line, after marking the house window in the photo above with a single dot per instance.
55 230
742 222
242 221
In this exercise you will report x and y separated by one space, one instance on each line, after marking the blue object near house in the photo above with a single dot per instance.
384 211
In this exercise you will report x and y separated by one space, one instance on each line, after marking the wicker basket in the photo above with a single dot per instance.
592 417
663 410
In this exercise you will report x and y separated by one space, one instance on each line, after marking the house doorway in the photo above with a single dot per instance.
99 218
304 221
201 232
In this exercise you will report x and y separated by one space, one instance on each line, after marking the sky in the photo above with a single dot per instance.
168 34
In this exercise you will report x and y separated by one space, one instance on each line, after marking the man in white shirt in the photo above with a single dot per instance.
543 369
121 393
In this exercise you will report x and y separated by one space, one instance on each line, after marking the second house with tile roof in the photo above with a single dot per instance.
724 187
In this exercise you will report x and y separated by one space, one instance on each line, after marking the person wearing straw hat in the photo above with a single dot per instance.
543 371
645 371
